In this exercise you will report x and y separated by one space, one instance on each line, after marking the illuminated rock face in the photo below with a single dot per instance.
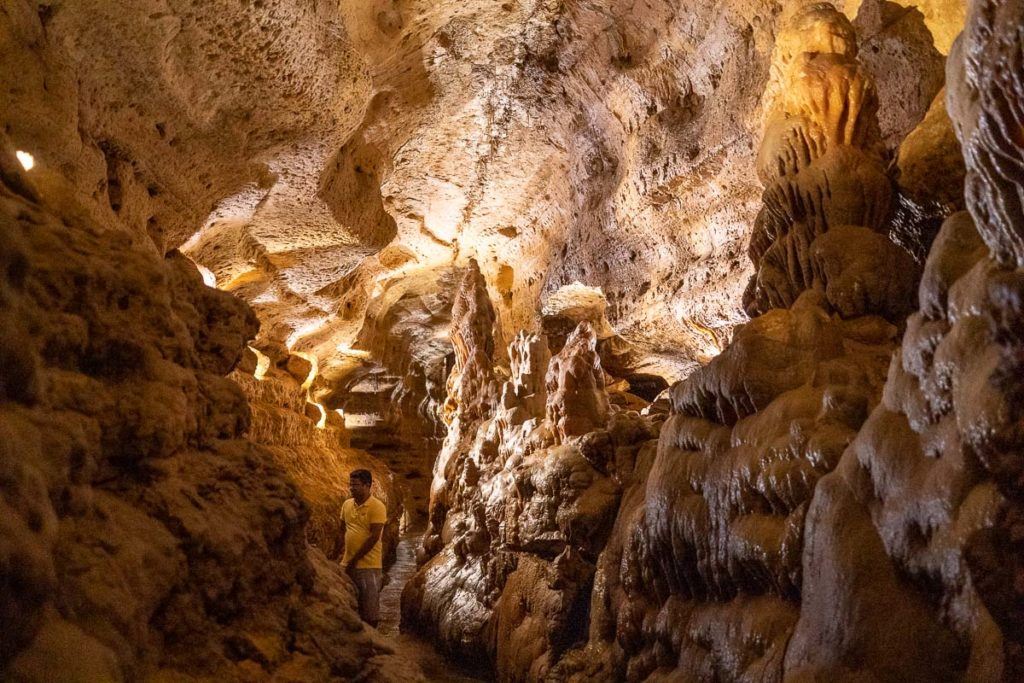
525 492
142 534
466 225
826 502
706 573
332 164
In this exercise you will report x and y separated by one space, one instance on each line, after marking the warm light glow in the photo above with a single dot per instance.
712 346
304 331
322 422
352 421
262 364
346 350
26 159
208 277
314 368
575 297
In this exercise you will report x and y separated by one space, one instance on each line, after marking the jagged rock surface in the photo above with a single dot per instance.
808 516
608 143
526 488
142 535
804 516
928 495
317 458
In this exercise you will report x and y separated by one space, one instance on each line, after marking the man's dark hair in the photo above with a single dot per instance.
363 476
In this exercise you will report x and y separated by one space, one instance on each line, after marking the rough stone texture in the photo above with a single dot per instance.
943 18
806 515
369 174
141 535
525 492
316 458
331 163
930 489
706 577
896 48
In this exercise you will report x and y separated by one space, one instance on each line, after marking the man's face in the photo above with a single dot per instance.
360 490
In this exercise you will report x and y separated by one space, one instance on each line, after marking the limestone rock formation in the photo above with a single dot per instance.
927 490
707 572
314 451
526 489
330 163
895 46
470 383
142 535
493 232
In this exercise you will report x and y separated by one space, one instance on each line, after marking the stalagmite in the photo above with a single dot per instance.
682 341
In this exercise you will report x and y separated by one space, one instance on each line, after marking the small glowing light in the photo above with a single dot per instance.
26 159
262 364
209 279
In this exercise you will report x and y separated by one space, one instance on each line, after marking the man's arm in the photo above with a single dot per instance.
375 531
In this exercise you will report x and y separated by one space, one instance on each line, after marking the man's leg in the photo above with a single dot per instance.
368 583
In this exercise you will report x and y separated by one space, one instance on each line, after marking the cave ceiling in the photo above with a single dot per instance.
332 162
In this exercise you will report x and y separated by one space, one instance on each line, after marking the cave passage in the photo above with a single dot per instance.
682 340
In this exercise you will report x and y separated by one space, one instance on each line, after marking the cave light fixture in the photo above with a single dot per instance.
209 279
307 386
26 160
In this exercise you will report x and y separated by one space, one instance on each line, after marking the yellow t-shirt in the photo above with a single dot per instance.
358 519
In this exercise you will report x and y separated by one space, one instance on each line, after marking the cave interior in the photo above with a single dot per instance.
683 341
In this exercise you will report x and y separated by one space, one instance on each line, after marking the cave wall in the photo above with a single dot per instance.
311 444
834 497
524 494
143 534
839 468
330 163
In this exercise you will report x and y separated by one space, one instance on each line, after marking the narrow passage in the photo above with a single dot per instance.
397 576
434 665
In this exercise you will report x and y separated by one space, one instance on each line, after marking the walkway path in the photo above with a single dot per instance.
399 573
434 665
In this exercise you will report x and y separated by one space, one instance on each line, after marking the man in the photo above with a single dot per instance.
364 517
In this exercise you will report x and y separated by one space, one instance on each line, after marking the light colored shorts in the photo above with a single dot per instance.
368 584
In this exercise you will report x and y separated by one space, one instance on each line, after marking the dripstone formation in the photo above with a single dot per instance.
494 253
826 502
525 492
